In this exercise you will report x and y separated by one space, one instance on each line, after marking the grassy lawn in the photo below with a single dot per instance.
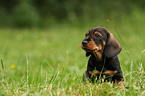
51 62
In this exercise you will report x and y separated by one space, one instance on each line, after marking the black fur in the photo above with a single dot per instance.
109 59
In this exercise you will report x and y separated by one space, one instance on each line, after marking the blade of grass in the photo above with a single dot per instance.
3 73
2 64
27 70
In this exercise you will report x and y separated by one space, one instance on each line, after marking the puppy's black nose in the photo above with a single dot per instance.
84 43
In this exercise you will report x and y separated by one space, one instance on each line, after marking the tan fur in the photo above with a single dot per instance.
108 72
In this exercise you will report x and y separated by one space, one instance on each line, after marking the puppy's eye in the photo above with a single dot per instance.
97 35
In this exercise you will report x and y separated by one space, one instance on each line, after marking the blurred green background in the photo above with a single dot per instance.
48 13
40 45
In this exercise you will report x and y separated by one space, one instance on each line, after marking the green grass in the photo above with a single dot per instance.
51 61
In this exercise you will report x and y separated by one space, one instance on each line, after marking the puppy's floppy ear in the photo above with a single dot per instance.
88 53
112 47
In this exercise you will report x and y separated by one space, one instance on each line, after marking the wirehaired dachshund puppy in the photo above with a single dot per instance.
103 49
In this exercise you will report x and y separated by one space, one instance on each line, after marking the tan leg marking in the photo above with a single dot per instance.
96 72
108 72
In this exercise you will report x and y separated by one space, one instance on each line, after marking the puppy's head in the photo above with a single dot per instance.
99 41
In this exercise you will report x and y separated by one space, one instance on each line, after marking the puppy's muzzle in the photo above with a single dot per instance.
84 43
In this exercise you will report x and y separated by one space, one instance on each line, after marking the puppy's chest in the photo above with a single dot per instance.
101 67
103 70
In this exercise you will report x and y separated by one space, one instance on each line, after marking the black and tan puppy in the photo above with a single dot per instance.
103 48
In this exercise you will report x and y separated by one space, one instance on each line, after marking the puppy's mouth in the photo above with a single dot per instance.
91 50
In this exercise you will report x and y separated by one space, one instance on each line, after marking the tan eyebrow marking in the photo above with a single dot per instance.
95 32
98 33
